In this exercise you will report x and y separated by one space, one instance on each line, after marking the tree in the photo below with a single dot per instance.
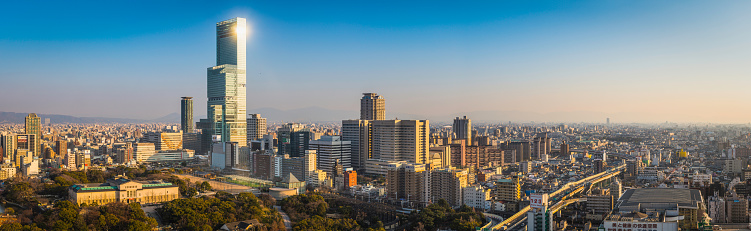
20 192
10 211
209 213
321 223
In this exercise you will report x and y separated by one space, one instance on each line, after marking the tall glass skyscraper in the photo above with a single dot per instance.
226 83
186 114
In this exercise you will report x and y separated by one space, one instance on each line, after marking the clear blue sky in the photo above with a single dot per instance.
640 60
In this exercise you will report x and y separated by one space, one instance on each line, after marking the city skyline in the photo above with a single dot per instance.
630 61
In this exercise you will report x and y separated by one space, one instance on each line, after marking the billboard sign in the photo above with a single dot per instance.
538 200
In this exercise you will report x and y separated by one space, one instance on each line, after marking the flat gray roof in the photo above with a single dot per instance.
659 198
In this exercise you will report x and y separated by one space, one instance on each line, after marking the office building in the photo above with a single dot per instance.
463 129
299 142
332 149
372 107
34 127
143 151
166 141
24 144
186 114
226 84
256 127
231 152
358 133
192 141
284 138
400 140
263 165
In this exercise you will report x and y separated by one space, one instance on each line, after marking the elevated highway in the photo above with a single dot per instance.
562 195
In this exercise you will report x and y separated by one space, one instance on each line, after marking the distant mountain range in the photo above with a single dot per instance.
318 114
14 117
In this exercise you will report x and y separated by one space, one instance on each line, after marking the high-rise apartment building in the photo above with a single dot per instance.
34 126
565 152
8 143
736 209
186 114
226 83
523 149
409 182
400 140
61 148
331 149
256 127
447 184
463 129
372 107
509 190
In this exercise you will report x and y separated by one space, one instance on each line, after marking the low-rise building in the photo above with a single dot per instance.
122 189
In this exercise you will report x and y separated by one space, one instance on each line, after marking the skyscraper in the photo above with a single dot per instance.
463 129
226 90
186 114
34 126
372 107
256 127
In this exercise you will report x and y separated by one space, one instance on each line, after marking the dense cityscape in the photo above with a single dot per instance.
238 170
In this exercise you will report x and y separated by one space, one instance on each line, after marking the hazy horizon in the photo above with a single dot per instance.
632 61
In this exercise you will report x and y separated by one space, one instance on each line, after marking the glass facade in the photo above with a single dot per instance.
226 90
186 114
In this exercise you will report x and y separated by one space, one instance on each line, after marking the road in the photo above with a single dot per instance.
568 190
287 222
151 212
218 186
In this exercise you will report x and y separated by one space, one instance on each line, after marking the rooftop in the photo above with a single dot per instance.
659 198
